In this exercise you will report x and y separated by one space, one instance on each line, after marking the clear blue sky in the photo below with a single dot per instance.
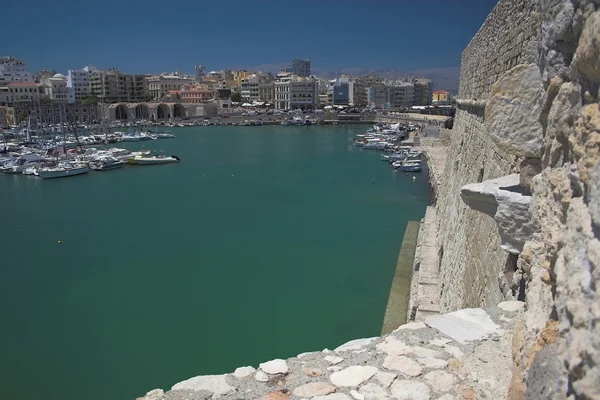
153 36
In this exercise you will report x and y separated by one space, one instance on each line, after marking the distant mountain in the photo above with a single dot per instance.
443 78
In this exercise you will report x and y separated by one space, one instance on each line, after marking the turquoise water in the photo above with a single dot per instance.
263 242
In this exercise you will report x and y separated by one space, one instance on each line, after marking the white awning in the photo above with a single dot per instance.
246 105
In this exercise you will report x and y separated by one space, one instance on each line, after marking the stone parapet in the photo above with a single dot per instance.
458 355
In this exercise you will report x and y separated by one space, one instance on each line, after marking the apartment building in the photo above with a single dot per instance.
112 86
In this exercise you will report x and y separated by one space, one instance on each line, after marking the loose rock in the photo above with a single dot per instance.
243 372
274 367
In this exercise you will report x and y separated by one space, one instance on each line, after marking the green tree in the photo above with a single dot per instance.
236 97
90 100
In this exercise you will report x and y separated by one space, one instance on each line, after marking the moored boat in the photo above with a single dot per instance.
105 164
63 170
153 160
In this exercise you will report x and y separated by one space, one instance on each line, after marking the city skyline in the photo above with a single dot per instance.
398 36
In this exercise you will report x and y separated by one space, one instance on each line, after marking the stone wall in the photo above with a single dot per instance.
508 37
529 106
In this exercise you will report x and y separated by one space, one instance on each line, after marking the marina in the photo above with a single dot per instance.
62 151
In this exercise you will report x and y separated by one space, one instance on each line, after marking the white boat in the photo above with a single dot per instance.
106 163
63 170
130 138
153 160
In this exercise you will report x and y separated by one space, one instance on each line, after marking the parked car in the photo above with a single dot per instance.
224 116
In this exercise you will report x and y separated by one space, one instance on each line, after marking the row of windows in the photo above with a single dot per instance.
20 90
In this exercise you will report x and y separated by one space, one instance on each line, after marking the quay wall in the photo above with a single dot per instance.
528 104
517 217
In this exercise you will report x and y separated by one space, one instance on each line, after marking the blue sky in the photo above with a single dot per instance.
154 36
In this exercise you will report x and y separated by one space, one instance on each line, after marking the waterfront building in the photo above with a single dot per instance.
294 92
266 92
360 92
14 70
79 83
249 88
55 88
342 92
300 67
191 94
112 86
401 93
378 96
19 92
159 86
423 92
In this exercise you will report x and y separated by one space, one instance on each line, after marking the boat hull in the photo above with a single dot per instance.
62 173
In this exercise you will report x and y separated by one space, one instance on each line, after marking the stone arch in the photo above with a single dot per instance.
121 111
179 111
141 111
163 111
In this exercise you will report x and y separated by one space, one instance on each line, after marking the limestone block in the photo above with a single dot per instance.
587 55
410 390
467 325
243 372
513 109
215 384
514 220
510 207
313 389
372 391
352 376
355 344
274 367
482 196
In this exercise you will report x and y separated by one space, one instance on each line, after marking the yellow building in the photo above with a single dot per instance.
440 96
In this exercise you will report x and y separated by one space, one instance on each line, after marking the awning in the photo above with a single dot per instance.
246 105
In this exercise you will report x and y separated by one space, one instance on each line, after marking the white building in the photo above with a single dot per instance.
293 92
13 70
250 88
56 88
79 83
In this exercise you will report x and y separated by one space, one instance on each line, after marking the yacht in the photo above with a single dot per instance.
153 160
63 170
106 163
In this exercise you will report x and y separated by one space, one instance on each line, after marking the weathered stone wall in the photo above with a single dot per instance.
475 271
472 263
508 37
529 104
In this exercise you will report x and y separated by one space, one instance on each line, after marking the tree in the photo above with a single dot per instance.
236 97
90 100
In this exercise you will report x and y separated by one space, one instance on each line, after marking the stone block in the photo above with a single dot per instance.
512 113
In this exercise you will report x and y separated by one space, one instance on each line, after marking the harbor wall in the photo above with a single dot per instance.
517 217
528 113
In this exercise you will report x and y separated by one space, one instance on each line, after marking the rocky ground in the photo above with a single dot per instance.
461 355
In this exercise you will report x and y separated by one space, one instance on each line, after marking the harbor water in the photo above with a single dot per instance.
263 242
